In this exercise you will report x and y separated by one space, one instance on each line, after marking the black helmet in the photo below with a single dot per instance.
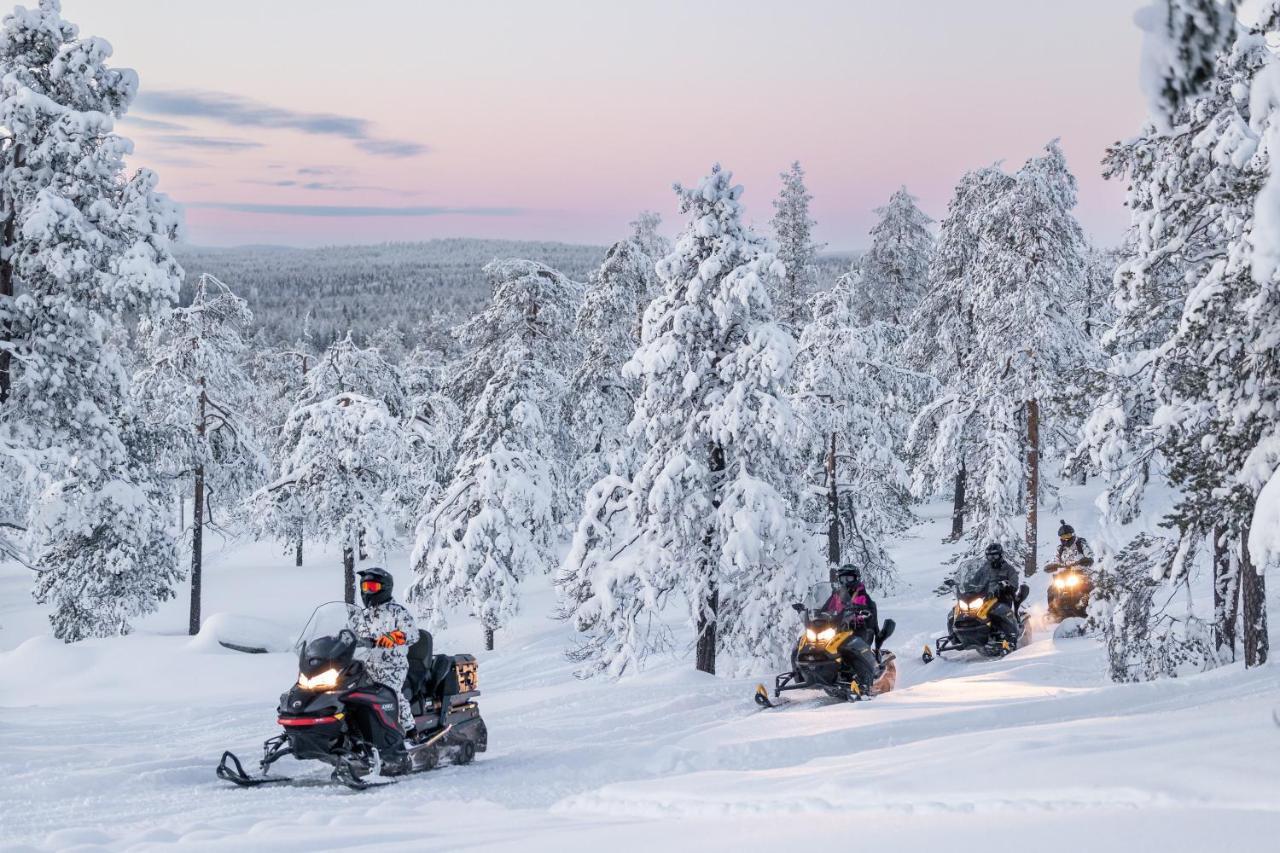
995 551
1066 532
849 576
375 586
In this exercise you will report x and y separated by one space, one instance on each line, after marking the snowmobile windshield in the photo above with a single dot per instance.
328 620
974 577
826 598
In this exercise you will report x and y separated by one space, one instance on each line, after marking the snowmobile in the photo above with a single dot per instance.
974 620
1068 591
336 714
831 656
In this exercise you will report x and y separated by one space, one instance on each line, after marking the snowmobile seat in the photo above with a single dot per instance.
420 664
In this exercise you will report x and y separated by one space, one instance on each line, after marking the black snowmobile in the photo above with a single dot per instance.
336 714
983 620
832 656
1069 591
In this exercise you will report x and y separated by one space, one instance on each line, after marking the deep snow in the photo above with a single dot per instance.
110 744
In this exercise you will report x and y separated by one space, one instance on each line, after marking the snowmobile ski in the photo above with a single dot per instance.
231 770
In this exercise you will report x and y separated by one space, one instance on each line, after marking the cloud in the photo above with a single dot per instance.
327 186
209 143
244 112
318 170
352 211
152 123
391 148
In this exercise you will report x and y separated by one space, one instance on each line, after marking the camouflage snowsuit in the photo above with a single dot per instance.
1069 555
389 666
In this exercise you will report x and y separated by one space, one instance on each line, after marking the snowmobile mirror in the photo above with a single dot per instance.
798 607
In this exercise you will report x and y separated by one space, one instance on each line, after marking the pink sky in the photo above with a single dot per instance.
561 120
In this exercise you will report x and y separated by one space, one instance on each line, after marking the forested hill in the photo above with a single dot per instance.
368 288
416 291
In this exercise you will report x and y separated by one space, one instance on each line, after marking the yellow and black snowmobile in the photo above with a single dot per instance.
984 618
839 651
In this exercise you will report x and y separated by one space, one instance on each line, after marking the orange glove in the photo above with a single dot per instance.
395 638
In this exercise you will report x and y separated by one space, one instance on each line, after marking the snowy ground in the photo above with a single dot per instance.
111 744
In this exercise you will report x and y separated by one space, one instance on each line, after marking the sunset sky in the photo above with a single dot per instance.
310 122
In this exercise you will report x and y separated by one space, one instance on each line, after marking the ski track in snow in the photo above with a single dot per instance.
110 744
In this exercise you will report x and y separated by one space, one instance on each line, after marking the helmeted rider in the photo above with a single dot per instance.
851 597
1073 550
1004 578
393 630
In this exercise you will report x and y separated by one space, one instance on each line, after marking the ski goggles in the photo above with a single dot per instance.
371 586
1067 537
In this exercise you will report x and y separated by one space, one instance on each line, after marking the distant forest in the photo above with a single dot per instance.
396 295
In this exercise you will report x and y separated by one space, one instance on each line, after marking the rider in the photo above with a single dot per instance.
393 631
1073 550
851 596
1004 578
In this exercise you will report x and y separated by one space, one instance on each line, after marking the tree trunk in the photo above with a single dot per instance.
197 519
1253 606
1226 595
364 555
197 550
708 614
488 638
833 511
7 290
957 505
297 557
182 512
706 649
1033 482
349 575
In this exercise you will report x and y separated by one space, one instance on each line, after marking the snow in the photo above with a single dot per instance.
109 744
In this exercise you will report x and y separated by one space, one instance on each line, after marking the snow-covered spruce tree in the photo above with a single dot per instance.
710 501
1014 290
944 444
433 426
895 269
497 519
84 250
1183 42
195 390
644 233
600 399
793 232
1182 399
279 377
853 400
341 458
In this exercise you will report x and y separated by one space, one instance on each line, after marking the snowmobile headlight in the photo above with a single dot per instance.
1067 581
976 603
826 634
321 681
810 635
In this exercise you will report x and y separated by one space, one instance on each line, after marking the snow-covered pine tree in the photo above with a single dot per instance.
644 233
1183 399
1183 41
84 250
195 390
496 521
434 425
793 233
341 458
600 399
711 501
1015 286
944 443
895 269
853 400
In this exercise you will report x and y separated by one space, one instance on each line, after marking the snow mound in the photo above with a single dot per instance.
233 632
